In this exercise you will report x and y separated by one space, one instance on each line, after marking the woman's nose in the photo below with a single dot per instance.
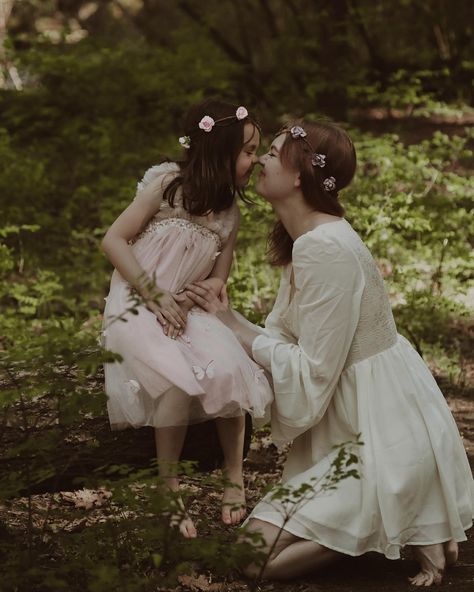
261 159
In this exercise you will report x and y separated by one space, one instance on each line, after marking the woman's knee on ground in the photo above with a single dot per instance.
273 536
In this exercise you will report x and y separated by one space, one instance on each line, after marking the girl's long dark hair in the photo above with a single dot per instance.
322 138
207 175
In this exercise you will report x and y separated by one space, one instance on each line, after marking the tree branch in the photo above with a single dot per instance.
214 33
271 20
377 61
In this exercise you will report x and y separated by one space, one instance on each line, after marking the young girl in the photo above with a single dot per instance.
182 365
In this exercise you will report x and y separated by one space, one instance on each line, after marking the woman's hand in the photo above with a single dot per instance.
213 283
204 295
206 298
168 312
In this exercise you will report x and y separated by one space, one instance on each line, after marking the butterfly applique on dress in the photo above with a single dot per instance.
208 371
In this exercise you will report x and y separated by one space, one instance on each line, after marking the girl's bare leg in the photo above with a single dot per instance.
231 433
291 557
169 443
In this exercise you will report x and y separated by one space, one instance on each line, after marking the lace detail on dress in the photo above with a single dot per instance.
219 225
376 330
180 223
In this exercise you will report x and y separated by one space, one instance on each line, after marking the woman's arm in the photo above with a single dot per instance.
204 296
329 284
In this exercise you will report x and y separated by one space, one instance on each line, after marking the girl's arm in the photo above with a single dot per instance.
220 272
216 281
116 246
223 264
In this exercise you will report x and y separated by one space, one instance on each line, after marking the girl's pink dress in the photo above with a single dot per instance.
205 373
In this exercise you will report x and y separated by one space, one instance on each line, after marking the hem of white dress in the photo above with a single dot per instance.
265 517
315 539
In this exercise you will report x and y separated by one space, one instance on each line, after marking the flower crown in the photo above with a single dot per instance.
207 123
317 160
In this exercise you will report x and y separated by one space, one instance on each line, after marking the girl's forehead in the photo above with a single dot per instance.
251 134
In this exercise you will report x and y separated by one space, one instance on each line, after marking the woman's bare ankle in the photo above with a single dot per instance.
451 552
432 562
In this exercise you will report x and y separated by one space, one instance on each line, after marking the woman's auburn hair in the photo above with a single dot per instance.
323 137
207 174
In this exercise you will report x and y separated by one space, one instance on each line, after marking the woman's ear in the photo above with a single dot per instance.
297 182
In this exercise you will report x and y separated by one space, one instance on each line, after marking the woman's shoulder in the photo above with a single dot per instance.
327 255
326 242
156 171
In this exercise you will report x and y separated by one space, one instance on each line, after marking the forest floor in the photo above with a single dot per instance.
370 573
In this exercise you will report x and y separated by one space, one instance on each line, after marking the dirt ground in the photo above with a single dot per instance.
370 573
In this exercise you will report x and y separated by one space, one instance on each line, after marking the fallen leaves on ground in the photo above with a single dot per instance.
87 498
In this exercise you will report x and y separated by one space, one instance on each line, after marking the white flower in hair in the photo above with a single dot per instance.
206 123
241 113
318 160
329 184
297 132
185 142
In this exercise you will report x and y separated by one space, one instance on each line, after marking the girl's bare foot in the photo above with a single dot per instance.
185 525
451 552
432 562
233 501
180 519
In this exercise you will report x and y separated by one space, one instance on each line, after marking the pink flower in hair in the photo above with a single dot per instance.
297 132
206 123
241 113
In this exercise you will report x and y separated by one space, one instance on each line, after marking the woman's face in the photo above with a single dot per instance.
248 155
275 181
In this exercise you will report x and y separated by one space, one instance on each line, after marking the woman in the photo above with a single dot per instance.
339 368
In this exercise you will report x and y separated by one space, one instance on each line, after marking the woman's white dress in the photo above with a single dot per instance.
339 368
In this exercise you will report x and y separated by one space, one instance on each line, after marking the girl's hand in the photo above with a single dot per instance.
168 313
185 305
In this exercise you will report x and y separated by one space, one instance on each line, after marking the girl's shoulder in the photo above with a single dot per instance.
165 168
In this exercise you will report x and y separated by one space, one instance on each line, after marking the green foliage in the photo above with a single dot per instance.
92 117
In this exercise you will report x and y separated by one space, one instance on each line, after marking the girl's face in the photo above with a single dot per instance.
248 155
275 181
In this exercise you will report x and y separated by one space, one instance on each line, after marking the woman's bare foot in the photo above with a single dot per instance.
233 501
451 552
432 562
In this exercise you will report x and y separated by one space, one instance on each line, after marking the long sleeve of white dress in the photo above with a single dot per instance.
306 368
